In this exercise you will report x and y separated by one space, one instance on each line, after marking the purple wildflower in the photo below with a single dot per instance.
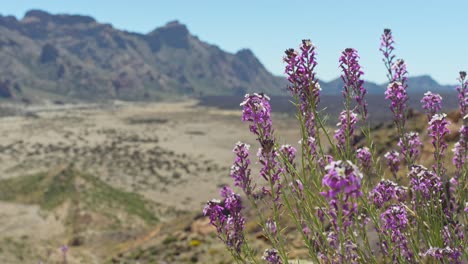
385 191
424 182
256 109
452 255
343 182
304 85
438 128
386 47
346 130
395 222
270 170
393 161
272 256
364 157
460 150
462 90
398 97
431 103
458 156
271 227
353 84
342 177
289 152
240 170
226 216
400 73
413 146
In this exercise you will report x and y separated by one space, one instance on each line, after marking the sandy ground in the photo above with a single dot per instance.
177 154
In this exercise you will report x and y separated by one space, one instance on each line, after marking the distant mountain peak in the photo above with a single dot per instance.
174 23
173 34
44 17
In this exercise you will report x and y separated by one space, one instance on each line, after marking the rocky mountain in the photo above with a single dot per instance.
63 57
71 56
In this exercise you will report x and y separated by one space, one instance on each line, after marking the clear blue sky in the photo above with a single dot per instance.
432 36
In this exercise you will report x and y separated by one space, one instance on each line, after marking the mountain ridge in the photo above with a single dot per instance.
74 57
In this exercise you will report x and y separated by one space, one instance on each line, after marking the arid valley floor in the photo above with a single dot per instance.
174 155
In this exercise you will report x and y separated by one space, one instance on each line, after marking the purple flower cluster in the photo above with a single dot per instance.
343 183
353 84
412 149
438 128
257 109
240 170
398 97
304 85
271 256
364 157
460 150
386 191
440 254
289 152
400 73
458 156
300 71
395 222
342 177
270 170
431 103
347 124
425 183
226 216
463 94
271 227
393 161
386 47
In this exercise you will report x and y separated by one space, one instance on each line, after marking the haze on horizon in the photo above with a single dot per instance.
430 35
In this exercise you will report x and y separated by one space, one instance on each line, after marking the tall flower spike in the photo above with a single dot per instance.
386 47
438 128
460 150
240 170
462 90
303 84
353 84
342 183
398 97
395 222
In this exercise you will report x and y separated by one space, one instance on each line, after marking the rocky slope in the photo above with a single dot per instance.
71 56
